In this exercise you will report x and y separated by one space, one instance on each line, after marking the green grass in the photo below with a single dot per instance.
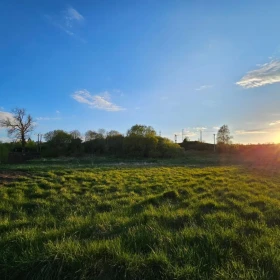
139 222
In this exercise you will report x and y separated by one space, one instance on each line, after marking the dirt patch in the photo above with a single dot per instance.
9 176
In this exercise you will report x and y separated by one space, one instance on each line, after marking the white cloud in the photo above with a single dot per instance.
216 127
101 101
5 115
204 87
268 73
274 123
252 131
58 112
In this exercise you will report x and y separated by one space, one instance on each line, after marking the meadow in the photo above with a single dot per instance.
139 221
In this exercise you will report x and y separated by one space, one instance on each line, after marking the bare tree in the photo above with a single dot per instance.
19 126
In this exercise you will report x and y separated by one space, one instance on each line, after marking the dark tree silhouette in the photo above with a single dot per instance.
223 136
76 134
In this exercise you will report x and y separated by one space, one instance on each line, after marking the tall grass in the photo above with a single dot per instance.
140 223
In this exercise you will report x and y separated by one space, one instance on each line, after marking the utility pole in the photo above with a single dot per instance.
200 135
38 144
41 142
160 133
182 134
214 142
175 138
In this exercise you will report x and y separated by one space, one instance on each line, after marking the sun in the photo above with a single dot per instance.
277 138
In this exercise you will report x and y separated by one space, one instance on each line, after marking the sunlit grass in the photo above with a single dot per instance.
153 222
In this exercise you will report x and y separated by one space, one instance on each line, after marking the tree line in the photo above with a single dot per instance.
139 141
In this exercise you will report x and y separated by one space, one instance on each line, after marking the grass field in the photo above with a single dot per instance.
139 222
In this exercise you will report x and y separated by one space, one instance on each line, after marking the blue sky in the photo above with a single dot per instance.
170 64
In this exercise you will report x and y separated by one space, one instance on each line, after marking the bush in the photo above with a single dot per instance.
4 152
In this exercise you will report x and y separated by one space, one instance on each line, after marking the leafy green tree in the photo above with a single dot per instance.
31 146
92 135
58 137
142 131
223 135
101 133
113 133
76 134
58 142
167 149
114 142
141 141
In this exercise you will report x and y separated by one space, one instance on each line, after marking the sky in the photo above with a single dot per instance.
179 66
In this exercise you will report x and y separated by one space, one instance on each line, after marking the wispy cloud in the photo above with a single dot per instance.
251 131
204 87
274 123
71 15
199 128
67 20
268 73
47 119
189 133
102 101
